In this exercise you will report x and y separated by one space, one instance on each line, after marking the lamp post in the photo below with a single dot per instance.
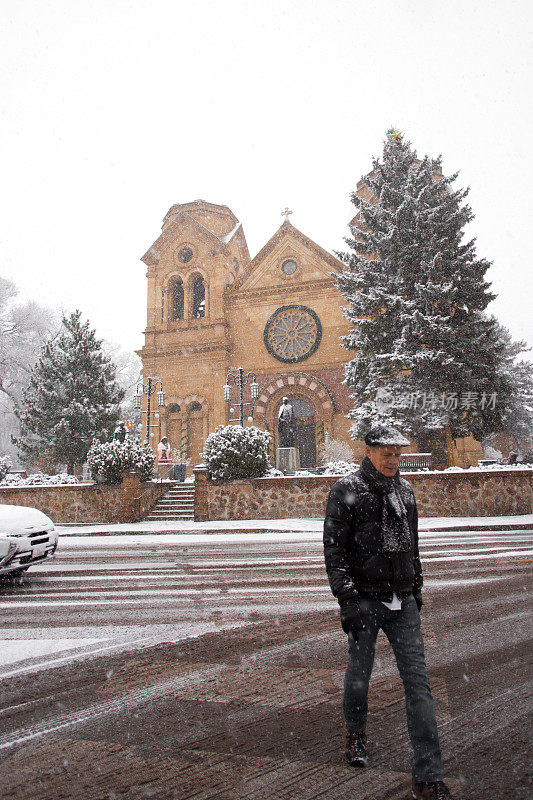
239 379
149 388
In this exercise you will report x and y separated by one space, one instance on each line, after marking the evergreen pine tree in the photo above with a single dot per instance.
427 357
73 396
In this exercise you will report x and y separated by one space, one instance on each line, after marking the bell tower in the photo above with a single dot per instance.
200 253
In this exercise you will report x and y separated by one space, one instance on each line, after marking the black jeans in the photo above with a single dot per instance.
404 632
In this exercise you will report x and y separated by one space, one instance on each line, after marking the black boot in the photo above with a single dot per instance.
356 749
430 790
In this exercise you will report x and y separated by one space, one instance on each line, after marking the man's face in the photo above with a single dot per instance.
386 459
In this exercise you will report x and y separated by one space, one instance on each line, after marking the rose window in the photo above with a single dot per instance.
292 333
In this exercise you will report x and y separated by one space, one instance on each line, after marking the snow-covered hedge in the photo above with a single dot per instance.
39 479
232 452
339 468
112 459
490 468
5 465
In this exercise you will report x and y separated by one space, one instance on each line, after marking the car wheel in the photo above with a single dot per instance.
17 576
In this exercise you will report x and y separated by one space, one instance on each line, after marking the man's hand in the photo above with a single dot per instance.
418 599
351 618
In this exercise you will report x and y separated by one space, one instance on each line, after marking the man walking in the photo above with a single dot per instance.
374 570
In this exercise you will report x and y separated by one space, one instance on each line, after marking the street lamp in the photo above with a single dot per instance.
239 379
149 388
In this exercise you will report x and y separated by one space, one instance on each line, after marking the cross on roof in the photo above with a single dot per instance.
286 213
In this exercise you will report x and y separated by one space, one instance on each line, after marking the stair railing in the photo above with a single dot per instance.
137 500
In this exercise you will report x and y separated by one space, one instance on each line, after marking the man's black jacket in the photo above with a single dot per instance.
355 561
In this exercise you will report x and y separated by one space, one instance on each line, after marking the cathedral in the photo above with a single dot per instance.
213 309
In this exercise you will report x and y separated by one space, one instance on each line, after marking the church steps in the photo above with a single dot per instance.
177 503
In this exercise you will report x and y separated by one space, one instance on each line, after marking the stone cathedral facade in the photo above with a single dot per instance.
211 308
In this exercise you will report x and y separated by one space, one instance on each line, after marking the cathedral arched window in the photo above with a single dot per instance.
177 299
198 297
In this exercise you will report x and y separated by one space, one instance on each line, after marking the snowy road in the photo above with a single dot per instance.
217 659
107 593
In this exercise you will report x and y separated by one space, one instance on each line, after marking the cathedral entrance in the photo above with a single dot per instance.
304 415
186 431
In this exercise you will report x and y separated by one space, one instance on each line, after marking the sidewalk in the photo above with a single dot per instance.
521 522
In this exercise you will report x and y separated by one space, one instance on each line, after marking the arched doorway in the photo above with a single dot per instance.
305 423
314 409
175 432
187 428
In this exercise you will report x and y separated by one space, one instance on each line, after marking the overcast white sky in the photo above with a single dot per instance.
113 110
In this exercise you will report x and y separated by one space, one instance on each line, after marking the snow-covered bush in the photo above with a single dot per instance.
339 468
232 452
336 451
5 466
140 458
112 459
106 459
40 479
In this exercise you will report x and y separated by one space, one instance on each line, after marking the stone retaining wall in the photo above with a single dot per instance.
438 494
91 502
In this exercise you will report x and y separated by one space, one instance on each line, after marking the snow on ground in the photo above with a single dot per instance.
144 575
36 649
188 526
16 650
22 646
125 541
291 527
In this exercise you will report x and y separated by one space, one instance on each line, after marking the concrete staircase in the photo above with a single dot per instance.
176 503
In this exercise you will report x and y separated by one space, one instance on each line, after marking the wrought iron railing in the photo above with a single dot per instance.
416 460
137 501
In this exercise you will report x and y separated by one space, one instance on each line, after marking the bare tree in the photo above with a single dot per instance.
24 329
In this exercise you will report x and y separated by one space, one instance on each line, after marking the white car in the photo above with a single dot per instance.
27 536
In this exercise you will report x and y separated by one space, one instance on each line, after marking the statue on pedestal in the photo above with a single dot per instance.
286 427
163 449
